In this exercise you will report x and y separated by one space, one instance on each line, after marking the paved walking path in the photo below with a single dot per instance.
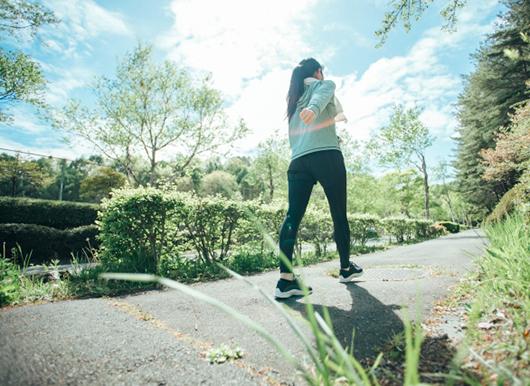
160 337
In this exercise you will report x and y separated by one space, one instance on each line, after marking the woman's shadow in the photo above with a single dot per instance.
369 322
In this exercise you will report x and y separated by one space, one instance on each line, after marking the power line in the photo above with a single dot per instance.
31 153
43 155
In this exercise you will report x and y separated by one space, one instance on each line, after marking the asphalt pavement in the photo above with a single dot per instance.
162 337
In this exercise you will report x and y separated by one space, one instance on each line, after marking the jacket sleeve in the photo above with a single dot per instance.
322 95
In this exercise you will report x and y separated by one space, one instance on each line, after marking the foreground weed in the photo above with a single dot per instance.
224 353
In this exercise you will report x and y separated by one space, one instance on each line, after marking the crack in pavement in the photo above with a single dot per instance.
201 346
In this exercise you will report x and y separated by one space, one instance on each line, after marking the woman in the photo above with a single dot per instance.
312 111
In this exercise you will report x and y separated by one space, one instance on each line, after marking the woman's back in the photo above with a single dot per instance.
320 134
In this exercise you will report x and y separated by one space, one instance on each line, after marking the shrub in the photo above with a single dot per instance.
270 216
436 230
190 270
210 224
248 261
138 226
9 281
362 228
400 228
317 229
512 199
50 213
46 243
451 227
422 228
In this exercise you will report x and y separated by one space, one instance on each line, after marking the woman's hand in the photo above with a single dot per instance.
307 116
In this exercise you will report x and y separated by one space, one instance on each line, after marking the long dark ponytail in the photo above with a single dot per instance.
305 69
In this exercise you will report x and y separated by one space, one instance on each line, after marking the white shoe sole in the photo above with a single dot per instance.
350 278
284 295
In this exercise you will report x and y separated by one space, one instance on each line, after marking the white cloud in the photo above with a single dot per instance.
418 78
25 121
238 40
63 81
262 105
80 20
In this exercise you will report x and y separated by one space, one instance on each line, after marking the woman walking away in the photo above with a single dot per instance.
312 111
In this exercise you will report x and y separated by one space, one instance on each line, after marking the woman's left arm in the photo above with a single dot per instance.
322 95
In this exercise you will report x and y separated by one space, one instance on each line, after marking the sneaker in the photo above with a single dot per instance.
287 288
350 273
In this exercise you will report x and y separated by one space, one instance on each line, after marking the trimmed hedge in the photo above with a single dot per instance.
46 243
362 228
140 226
143 227
55 214
450 226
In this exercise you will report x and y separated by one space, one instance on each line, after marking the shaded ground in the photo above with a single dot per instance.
161 337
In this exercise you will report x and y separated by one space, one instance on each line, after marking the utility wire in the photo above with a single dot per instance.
43 155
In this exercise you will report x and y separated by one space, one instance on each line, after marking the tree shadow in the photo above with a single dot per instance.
369 323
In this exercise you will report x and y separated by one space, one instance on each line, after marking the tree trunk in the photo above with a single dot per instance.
271 181
425 185
152 178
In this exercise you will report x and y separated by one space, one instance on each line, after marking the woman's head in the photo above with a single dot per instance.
305 69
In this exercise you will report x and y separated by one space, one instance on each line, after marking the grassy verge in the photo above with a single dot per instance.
16 288
496 300
499 318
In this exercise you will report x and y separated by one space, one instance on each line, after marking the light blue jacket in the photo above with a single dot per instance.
320 134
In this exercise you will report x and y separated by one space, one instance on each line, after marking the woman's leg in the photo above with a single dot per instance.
300 185
331 173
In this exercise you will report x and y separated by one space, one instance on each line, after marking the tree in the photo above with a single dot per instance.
404 10
403 143
148 107
490 96
21 178
220 182
511 155
21 78
271 162
401 191
441 173
98 185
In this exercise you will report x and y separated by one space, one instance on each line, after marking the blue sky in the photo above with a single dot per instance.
250 48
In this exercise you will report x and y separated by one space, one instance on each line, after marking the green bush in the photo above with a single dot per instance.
210 224
512 199
55 214
190 270
422 229
270 216
401 228
317 229
9 281
46 243
404 229
362 228
451 227
248 261
138 227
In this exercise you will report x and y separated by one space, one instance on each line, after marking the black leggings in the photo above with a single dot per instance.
327 168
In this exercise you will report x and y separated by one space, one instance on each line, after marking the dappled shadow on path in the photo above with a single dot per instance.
375 327
374 323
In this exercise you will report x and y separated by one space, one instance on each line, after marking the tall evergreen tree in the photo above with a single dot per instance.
490 95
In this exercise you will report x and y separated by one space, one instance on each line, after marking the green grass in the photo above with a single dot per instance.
497 304
503 299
